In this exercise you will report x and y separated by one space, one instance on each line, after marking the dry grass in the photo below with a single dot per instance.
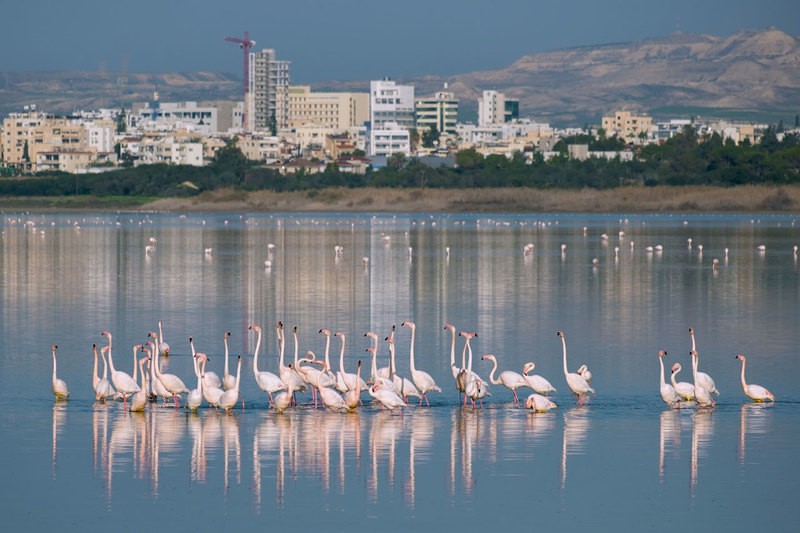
749 198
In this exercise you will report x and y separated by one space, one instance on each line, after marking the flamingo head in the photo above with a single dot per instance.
693 353
676 368
371 335
488 356
451 327
106 334
371 349
662 353
325 332
741 358
409 324
691 331
338 334
560 334
55 347
255 328
311 356
227 334
529 366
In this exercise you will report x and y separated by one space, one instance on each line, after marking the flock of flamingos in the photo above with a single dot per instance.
342 390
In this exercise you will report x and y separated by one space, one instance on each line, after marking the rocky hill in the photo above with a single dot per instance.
751 72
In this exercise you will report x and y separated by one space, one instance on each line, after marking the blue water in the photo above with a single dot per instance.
624 460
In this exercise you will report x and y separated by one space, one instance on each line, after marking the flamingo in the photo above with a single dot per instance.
210 394
163 347
475 388
309 374
297 382
577 383
387 397
157 388
535 381
329 397
386 371
329 378
668 393
229 398
228 381
266 381
346 381
139 400
102 387
283 398
386 381
405 387
422 380
123 382
453 368
539 403
353 396
508 378
684 389
754 392
195 397
583 370
373 375
701 394
59 386
703 378
210 378
171 382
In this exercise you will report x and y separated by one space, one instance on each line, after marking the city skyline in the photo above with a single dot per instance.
350 39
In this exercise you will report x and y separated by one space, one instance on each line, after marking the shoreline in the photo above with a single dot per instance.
783 199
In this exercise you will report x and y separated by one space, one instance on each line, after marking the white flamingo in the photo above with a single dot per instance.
703 378
422 380
210 378
536 382
405 387
577 384
453 368
353 396
102 387
387 397
139 400
297 382
701 394
475 388
668 393
754 392
211 395
387 383
583 371
195 397
123 382
230 397
684 389
539 404
266 381
157 388
171 382
163 347
228 380
329 397
386 371
59 386
346 381
507 378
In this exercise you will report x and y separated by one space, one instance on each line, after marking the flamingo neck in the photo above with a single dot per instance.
238 375
54 365
327 351
255 353
491 374
95 375
110 357
392 367
105 365
135 366
199 375
282 347
296 347
225 339
672 377
341 355
374 368
464 355
453 348
411 351
469 363
564 351
661 362
744 383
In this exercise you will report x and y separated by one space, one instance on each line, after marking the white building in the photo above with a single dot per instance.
205 118
269 86
391 108
390 139
439 110
495 108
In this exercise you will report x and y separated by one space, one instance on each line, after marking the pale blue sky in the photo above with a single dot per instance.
349 39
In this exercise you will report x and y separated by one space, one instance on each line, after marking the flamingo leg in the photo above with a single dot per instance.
516 400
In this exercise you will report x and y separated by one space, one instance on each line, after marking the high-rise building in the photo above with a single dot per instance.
440 110
269 86
495 108
390 103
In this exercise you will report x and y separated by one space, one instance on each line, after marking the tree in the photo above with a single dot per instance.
430 137
469 159
273 125
230 158
797 121
396 161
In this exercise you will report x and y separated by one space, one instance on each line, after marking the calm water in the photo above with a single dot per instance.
623 459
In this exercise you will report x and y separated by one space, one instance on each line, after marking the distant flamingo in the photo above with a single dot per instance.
577 384
59 386
668 393
508 378
684 389
422 380
536 382
754 392
123 382
230 397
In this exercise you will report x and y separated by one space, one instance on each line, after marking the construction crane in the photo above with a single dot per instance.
245 44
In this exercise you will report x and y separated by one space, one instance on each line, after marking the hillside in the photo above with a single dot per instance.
749 73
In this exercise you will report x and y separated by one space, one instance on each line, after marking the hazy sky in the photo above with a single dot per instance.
349 39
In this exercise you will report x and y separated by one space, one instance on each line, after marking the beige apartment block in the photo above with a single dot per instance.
336 111
627 125
18 129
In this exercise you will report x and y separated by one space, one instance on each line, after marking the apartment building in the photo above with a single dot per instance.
17 138
269 85
627 126
203 117
391 109
334 110
439 110
495 108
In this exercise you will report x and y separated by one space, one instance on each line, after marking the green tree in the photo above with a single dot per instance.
121 122
230 159
430 137
468 159
396 161
273 124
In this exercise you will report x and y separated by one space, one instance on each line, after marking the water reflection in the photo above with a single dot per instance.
754 420
669 437
702 432
59 420
576 428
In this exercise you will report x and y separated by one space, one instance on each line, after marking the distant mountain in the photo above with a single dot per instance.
751 73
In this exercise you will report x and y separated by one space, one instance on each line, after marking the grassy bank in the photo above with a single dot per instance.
688 199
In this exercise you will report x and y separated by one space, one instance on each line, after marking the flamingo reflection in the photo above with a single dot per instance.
576 428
